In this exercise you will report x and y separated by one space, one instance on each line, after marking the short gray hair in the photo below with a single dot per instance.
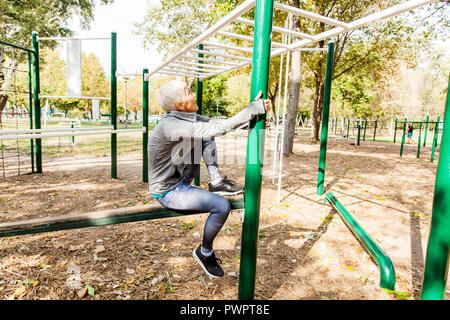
171 93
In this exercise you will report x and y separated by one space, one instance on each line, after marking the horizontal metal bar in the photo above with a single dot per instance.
53 130
181 67
129 74
205 65
96 218
65 39
231 63
219 54
15 91
278 29
180 74
227 46
16 46
143 129
69 97
66 134
247 38
308 14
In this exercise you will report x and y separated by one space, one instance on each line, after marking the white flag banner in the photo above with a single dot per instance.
95 109
74 68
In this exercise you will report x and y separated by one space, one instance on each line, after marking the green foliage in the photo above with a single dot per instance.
213 90
48 17
174 23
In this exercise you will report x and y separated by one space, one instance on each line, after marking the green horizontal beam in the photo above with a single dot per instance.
387 273
96 219
16 46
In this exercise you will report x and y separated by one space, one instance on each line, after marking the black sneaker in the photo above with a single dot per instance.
209 264
226 187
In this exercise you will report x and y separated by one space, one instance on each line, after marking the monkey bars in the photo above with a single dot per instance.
223 55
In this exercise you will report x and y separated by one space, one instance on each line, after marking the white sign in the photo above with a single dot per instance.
74 68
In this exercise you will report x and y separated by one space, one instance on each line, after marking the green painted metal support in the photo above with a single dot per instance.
435 138
403 137
30 107
359 135
255 149
37 102
387 272
395 130
145 109
365 127
375 129
325 115
113 105
438 248
95 219
348 128
199 101
72 137
426 131
419 141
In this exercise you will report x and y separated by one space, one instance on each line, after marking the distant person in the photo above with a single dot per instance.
175 149
410 133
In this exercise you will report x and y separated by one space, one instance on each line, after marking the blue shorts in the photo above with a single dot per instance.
409 134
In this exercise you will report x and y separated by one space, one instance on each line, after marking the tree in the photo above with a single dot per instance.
48 17
94 82
363 53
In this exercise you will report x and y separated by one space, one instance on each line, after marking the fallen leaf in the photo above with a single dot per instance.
99 249
19 291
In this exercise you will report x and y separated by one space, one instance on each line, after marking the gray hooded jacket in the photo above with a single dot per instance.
177 134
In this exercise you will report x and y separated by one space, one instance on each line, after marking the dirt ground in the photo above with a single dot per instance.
305 251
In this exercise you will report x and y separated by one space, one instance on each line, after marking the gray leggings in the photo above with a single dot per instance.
188 199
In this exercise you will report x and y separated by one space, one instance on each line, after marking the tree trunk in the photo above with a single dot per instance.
3 100
317 111
294 93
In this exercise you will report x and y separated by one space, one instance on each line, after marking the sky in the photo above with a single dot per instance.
119 17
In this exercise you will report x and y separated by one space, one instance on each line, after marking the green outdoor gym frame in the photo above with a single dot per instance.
30 59
255 147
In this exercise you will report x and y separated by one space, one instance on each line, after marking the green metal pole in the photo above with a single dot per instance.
418 141
113 105
348 128
375 129
255 149
359 134
30 107
145 125
325 115
73 138
37 101
395 130
387 272
436 133
199 101
438 248
426 131
365 127
403 137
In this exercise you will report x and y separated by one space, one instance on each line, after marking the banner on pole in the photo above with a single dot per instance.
74 68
